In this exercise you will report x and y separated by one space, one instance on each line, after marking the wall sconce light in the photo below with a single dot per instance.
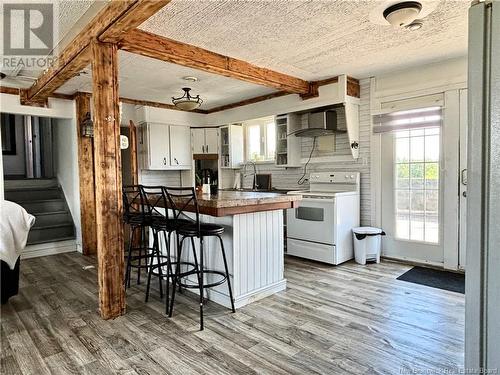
87 126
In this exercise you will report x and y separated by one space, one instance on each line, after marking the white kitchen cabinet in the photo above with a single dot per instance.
205 140
180 155
212 141
288 149
231 143
198 140
164 147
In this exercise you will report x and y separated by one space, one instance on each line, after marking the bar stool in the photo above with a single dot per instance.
181 199
157 205
136 216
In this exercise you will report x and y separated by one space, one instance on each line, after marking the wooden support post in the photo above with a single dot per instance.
108 178
87 179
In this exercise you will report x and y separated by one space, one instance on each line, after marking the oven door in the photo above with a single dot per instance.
313 220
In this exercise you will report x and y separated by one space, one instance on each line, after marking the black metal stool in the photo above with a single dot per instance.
136 216
180 199
156 201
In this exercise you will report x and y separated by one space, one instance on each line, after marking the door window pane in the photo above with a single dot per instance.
402 150
417 148
416 184
431 147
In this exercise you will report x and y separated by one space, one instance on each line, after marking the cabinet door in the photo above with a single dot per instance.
158 146
180 152
212 141
236 139
198 141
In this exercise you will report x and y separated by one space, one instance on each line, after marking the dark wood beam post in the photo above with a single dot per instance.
108 178
87 179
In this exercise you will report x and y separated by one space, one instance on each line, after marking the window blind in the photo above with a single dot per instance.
409 119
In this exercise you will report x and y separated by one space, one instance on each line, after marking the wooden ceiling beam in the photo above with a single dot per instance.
158 105
352 90
165 49
248 101
112 22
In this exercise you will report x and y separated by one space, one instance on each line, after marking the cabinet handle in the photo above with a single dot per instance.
207 148
164 161
177 162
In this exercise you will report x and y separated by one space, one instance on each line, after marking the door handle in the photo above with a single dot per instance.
463 176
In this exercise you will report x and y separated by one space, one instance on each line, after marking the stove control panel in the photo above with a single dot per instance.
334 177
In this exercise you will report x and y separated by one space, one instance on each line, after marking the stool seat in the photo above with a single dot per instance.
168 225
206 229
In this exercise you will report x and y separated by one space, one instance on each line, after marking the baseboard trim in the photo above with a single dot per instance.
247 298
48 248
415 262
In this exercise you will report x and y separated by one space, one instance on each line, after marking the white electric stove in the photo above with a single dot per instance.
320 228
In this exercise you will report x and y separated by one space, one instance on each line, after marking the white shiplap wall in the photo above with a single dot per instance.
287 178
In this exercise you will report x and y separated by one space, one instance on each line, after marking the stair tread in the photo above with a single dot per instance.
57 212
41 200
31 188
57 239
60 225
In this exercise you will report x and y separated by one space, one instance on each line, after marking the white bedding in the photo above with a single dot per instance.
15 224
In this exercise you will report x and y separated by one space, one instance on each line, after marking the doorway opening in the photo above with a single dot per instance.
27 147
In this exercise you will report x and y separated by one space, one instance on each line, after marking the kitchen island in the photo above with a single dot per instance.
253 239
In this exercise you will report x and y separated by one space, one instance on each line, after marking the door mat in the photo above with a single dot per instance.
454 282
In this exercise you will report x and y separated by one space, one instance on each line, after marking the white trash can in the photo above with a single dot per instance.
367 244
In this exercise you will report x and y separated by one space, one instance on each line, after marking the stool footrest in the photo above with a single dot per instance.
163 264
205 272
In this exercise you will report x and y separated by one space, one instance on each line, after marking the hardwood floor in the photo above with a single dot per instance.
330 320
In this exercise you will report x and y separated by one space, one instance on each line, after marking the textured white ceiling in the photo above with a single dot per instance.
148 79
309 39
313 39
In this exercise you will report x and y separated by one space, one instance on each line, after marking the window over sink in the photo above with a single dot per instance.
260 139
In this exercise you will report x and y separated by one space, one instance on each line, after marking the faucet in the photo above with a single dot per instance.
244 174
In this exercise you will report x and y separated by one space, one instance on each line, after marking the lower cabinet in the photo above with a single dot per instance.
164 147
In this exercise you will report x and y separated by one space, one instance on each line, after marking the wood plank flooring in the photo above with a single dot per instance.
330 320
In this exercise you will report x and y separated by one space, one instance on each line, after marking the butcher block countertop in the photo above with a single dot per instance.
226 203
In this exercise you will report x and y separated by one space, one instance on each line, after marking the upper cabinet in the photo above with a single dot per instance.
180 154
205 140
288 150
164 147
231 146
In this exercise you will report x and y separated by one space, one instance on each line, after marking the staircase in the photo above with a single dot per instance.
44 199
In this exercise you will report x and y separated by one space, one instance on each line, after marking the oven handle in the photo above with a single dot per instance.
316 200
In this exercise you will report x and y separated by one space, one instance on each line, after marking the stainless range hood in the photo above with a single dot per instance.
324 123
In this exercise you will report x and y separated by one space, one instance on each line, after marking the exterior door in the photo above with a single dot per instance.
463 180
412 194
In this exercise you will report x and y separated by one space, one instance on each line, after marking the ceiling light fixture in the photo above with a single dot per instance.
190 78
415 25
402 14
187 102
